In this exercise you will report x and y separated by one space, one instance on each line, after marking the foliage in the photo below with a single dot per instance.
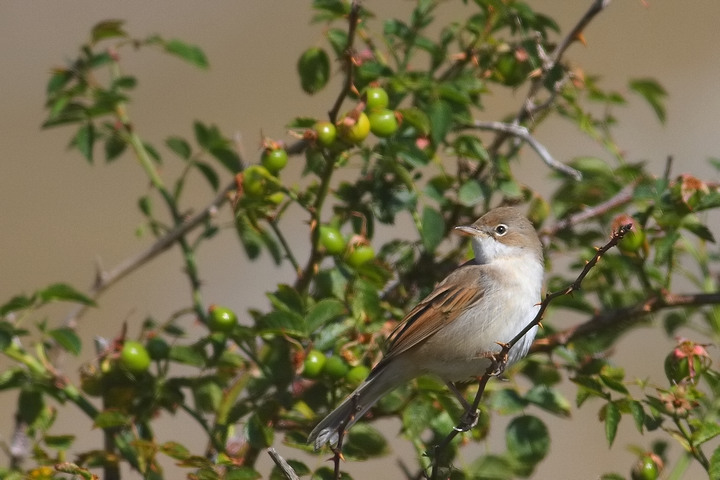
253 383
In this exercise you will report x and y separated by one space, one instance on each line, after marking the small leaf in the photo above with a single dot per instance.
611 415
364 441
64 292
57 81
314 69
433 229
440 120
114 147
528 439
67 339
111 418
323 312
653 93
471 193
190 53
16 303
107 29
549 399
638 414
209 173
258 435
175 450
228 157
187 355
59 442
714 470
84 140
706 432
417 118
179 146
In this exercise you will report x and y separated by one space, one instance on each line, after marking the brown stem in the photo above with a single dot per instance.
353 19
628 315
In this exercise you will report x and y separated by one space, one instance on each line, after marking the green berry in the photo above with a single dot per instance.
134 357
274 159
313 364
354 131
326 133
255 180
332 240
356 375
383 123
376 98
221 319
335 367
360 255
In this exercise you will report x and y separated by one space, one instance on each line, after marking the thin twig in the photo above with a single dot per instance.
284 467
628 315
105 280
353 19
621 198
523 133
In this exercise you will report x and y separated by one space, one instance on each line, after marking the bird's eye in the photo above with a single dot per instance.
501 229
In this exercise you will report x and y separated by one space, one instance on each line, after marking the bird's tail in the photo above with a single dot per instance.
353 408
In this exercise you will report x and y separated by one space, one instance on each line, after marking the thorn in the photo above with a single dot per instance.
581 38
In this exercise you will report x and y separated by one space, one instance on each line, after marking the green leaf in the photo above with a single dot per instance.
17 303
471 193
84 141
693 224
233 472
111 418
187 355
209 173
57 82
440 120
433 228
314 69
228 158
179 146
259 435
549 399
363 441
59 442
107 29
492 467
114 147
417 118
638 413
653 93
714 470
64 292
324 312
706 432
67 339
175 450
611 415
527 439
190 53
278 321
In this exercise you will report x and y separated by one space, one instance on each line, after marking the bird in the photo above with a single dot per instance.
455 330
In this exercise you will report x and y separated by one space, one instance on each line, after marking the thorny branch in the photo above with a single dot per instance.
523 133
105 279
628 315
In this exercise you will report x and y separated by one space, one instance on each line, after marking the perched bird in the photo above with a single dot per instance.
454 331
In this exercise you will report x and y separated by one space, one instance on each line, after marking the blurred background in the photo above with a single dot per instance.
59 217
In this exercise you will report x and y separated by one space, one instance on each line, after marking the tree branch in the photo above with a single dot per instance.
105 280
628 315
524 134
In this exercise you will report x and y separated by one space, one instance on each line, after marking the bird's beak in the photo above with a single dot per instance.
468 230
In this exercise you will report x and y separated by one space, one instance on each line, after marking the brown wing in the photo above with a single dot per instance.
459 291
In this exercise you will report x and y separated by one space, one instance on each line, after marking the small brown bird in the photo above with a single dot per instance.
453 332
